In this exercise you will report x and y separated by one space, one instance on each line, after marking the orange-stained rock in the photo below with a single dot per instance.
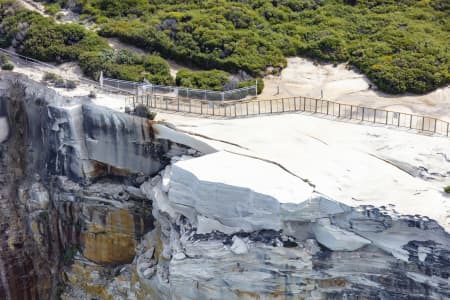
112 242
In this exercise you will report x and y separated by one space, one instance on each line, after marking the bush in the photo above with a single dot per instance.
447 189
8 66
4 59
252 82
208 80
48 76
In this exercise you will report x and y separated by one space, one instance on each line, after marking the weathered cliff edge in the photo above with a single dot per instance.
100 204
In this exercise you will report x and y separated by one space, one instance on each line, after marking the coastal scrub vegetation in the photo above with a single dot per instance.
401 45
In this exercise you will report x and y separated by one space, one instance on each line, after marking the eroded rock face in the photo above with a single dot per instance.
319 249
97 204
69 188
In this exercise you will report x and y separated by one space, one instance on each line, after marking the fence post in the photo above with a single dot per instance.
387 115
304 103
448 125
167 105
362 114
259 107
423 123
212 105
410 121
328 107
271 106
282 104
235 110
398 122
315 109
201 108
375 116
351 112
178 104
295 104
339 111
435 121
246 105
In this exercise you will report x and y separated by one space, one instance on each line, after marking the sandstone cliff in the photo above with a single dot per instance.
97 204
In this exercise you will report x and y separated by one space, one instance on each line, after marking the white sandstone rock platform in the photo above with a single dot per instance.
229 193
353 164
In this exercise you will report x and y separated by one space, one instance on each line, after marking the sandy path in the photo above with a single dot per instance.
304 78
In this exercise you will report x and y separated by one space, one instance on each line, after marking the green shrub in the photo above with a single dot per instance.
4 59
447 189
252 82
48 76
52 9
208 80
8 66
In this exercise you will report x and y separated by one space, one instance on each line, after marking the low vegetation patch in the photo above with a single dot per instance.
5 63
58 81
401 45
447 189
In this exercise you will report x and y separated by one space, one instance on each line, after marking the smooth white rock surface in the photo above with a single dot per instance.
4 129
350 163
335 238
236 191
239 246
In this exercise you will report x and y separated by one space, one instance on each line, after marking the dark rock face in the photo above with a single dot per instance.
25 271
68 185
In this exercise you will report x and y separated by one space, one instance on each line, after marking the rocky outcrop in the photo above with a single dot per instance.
69 186
297 244
105 205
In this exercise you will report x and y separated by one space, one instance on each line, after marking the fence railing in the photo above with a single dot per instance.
175 91
293 104
22 60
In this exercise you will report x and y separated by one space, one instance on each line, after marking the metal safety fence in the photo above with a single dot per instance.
143 88
293 104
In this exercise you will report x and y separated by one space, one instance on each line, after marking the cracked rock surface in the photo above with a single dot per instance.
97 204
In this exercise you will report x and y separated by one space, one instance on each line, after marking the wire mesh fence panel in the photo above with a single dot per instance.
381 116
333 109
442 127
322 106
405 120
415 122
429 124
345 111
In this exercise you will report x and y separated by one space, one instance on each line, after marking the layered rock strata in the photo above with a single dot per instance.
97 204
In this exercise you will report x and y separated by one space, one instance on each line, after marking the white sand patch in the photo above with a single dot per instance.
4 129
304 78
354 164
